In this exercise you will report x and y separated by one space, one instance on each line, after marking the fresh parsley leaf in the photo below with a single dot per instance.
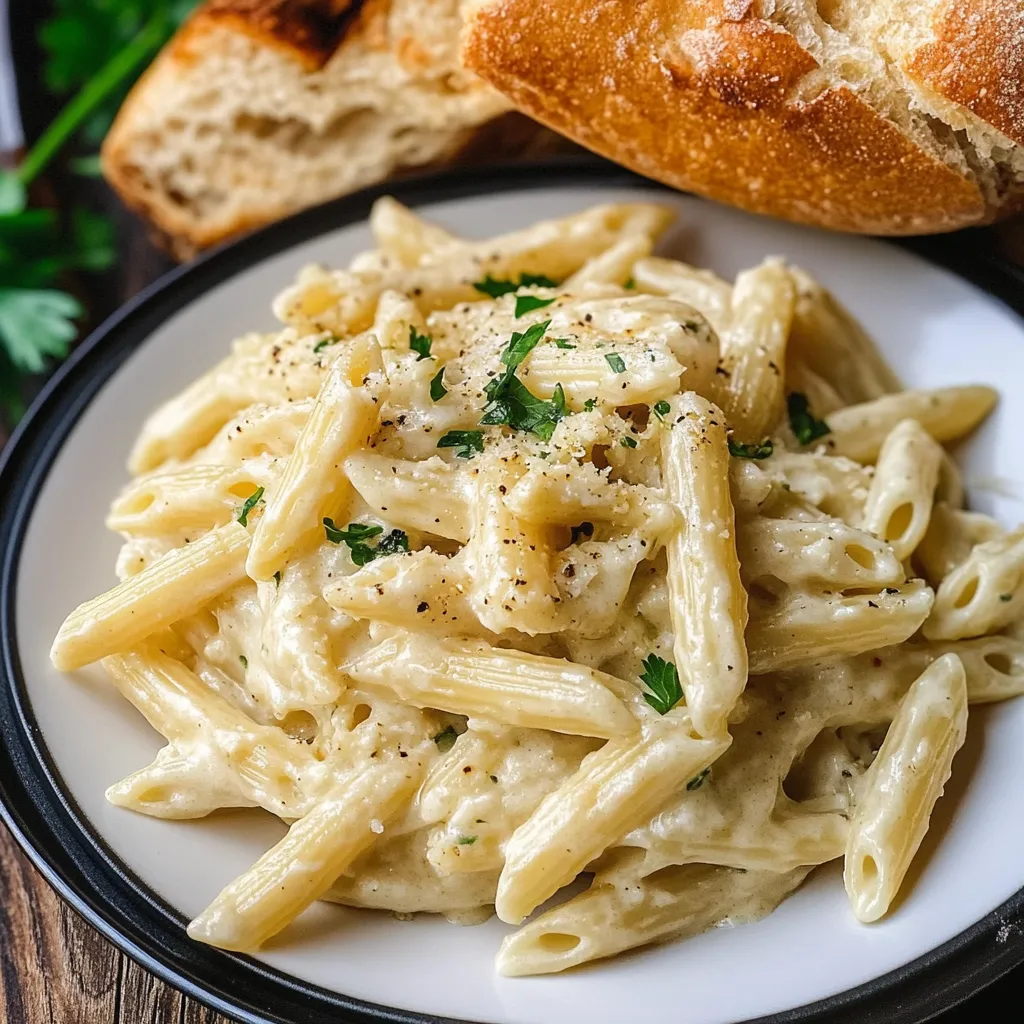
355 536
468 442
250 503
662 409
751 451
36 323
698 780
521 345
445 739
467 840
627 442
563 343
420 343
663 691
393 543
528 303
244 660
321 345
437 388
805 427
590 405
614 360
495 287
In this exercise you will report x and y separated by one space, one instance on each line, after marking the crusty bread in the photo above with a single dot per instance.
882 116
260 107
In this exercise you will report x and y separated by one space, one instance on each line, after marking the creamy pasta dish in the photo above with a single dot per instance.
509 564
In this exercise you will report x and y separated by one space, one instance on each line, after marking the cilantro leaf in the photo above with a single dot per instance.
420 343
445 739
614 360
662 409
437 388
250 503
663 691
751 451
528 303
468 442
495 287
36 323
698 780
805 427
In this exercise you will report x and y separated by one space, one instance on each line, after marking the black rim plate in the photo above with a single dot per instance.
76 861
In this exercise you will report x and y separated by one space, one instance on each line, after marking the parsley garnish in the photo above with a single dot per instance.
355 536
627 442
250 503
495 287
662 409
805 427
750 451
663 689
614 360
510 403
467 840
244 660
528 303
321 345
564 343
698 780
445 739
590 405
420 343
630 284
437 388
468 442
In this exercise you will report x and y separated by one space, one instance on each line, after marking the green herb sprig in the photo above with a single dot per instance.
495 287
356 535
802 421
664 690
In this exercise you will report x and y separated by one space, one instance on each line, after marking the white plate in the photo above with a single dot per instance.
935 329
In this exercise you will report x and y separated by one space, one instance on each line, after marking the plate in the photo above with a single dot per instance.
139 879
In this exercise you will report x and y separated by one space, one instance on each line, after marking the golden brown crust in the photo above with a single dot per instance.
707 97
977 60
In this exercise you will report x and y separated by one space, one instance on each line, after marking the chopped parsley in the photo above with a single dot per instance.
630 284
698 780
663 691
420 343
495 287
590 405
528 303
468 442
662 409
467 840
445 739
250 503
510 403
750 451
627 442
321 345
614 360
355 536
805 427
563 343
244 660
437 388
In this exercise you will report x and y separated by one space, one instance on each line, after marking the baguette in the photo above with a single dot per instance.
258 108
876 116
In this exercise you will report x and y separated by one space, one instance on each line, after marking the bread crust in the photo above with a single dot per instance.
710 98
977 60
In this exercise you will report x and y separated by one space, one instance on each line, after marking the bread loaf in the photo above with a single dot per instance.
881 116
260 107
